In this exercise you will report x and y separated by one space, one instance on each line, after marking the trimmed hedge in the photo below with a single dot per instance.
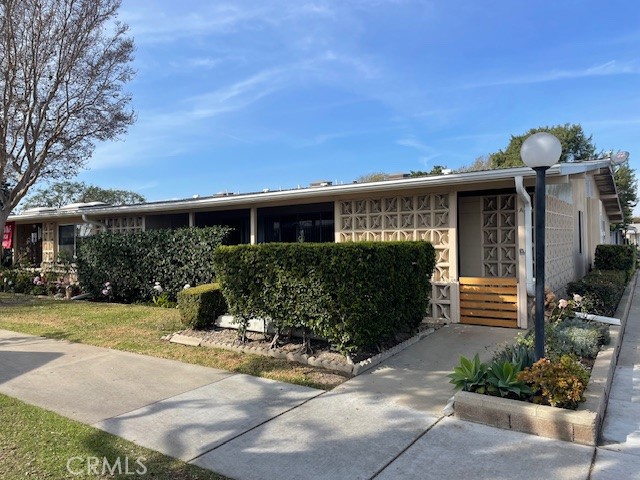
133 262
200 306
616 257
355 295
603 288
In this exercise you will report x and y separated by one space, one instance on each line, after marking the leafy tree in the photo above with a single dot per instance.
575 146
59 194
436 170
627 185
63 67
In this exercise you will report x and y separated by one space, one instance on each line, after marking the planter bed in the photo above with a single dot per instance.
322 356
580 426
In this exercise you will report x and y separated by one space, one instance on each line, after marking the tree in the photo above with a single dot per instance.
373 177
436 170
575 146
627 185
59 194
479 164
63 67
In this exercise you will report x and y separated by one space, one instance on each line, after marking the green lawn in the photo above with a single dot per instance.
36 443
138 328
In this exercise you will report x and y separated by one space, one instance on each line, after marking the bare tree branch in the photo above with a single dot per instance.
64 67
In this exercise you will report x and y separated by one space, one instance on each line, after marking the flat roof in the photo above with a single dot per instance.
304 194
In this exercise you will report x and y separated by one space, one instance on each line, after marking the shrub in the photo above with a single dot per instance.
16 280
616 257
356 295
470 375
585 338
200 306
557 383
602 289
133 263
572 336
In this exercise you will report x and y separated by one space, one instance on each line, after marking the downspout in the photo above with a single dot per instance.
528 249
94 222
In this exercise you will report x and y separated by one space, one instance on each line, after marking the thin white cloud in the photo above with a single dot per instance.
610 68
413 143
199 62
428 154
154 25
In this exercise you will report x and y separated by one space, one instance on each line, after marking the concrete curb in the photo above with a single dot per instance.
348 368
581 426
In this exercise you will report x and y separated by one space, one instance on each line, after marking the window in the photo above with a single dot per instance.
69 239
580 228
297 223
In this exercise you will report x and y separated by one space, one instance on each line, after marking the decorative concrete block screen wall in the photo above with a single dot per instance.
560 229
124 224
499 236
415 217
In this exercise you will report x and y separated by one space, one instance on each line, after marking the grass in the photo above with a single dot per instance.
37 443
138 328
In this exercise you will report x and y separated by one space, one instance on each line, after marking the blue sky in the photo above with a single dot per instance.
251 94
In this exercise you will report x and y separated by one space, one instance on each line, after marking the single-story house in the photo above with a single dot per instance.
480 224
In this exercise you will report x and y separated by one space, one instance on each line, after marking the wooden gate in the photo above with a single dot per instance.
489 301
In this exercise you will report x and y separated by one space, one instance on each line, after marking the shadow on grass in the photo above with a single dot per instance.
127 459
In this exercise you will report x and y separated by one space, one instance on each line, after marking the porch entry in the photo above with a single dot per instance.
487 251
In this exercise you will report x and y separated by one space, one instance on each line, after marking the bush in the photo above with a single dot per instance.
557 383
356 295
581 337
132 263
616 257
200 306
572 336
602 289
16 280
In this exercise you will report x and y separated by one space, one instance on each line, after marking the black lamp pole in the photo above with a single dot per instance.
540 208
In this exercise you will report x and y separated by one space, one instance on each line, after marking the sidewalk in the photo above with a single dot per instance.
619 454
384 424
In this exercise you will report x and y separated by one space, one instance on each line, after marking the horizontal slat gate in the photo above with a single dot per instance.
489 301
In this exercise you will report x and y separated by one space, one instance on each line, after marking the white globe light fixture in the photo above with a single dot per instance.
540 151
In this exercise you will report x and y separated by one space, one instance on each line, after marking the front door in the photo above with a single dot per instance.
487 252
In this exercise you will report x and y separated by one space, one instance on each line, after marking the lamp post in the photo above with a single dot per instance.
540 151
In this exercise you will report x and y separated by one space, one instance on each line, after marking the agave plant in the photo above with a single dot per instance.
470 375
518 353
502 380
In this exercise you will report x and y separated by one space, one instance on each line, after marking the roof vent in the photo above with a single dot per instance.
397 176
321 183
76 206
35 210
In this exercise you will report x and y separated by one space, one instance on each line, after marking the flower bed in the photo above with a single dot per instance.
581 425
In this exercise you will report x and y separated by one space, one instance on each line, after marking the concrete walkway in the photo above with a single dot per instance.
620 451
384 424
